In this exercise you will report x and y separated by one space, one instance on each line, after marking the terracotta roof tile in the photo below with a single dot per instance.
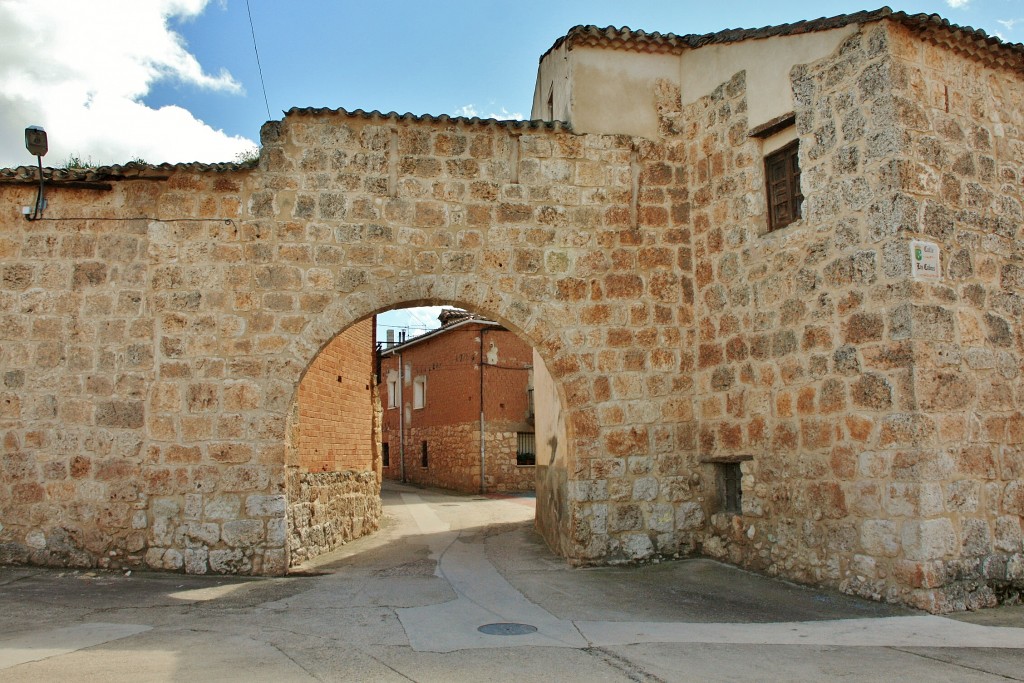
964 37
132 169
430 118
154 171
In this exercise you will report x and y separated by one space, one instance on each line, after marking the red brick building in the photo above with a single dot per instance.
436 393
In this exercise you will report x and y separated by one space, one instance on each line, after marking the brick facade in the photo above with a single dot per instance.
333 484
336 406
155 333
448 361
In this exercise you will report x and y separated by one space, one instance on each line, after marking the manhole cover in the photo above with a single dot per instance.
507 629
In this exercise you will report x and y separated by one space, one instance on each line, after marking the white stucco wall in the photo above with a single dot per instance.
609 91
614 91
553 77
767 62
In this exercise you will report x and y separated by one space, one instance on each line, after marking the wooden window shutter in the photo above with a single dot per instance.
782 174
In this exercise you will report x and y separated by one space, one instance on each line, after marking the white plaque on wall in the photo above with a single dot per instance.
924 260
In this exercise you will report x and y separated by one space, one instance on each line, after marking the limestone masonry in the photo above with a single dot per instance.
806 401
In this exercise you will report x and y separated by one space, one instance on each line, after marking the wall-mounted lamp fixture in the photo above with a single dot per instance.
35 143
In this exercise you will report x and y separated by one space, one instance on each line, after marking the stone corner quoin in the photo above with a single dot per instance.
155 334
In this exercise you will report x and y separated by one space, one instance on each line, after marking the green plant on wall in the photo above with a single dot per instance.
250 156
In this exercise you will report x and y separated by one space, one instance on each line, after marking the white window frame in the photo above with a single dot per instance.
392 393
419 392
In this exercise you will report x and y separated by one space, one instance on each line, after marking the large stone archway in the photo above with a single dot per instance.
207 291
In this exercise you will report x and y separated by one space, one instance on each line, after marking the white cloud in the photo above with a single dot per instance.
1008 24
82 69
502 113
957 4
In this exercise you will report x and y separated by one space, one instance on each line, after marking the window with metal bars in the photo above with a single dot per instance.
526 449
385 455
424 461
730 481
782 176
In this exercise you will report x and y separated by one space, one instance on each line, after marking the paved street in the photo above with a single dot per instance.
408 603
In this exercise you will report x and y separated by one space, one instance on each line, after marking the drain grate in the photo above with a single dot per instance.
507 629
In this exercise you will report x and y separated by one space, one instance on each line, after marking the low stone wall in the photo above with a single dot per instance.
453 457
454 460
503 474
328 509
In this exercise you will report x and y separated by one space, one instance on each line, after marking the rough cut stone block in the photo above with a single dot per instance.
120 414
931 539
930 322
242 533
265 506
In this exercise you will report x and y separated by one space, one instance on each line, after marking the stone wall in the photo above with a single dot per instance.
959 170
861 397
453 453
454 459
154 333
503 474
328 509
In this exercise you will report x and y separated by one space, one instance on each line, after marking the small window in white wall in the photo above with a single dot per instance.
393 393
419 392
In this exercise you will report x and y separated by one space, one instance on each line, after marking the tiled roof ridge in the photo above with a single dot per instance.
437 331
431 118
626 38
140 170
132 169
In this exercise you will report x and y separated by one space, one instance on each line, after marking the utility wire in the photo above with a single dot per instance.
258 65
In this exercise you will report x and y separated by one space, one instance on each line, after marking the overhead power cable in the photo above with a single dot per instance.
258 65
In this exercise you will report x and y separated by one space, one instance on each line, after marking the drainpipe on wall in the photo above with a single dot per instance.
483 457
401 419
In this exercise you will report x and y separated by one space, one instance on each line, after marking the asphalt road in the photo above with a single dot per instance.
408 604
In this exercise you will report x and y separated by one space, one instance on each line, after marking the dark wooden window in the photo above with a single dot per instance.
782 174
526 449
424 462
731 489
385 455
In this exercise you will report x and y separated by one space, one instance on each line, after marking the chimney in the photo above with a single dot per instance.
391 338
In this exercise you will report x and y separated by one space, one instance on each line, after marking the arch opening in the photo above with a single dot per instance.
460 401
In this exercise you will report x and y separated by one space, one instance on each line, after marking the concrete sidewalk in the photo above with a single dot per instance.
408 604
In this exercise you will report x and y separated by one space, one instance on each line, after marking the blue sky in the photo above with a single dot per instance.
177 80
449 57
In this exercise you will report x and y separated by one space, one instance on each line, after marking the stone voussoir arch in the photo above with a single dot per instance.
239 276
469 293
